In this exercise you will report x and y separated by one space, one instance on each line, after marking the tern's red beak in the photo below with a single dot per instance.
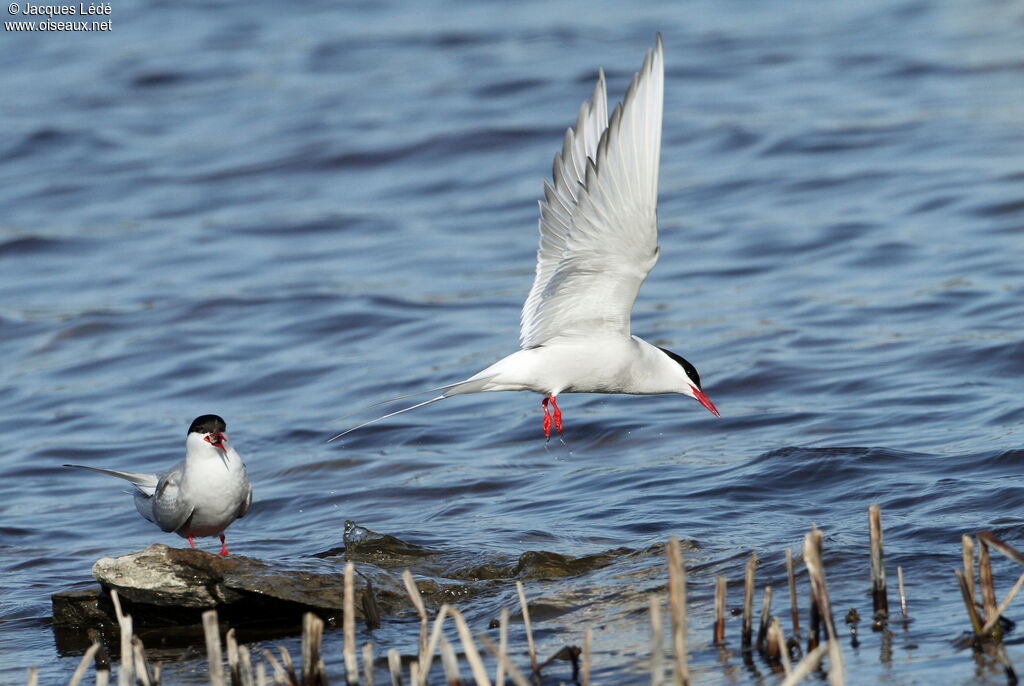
216 439
703 400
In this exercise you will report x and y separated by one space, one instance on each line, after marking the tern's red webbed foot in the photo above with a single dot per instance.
223 546
558 416
547 418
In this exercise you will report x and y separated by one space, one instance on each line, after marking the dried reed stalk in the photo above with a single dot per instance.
499 670
211 630
280 676
766 610
142 673
677 609
526 624
879 595
33 677
748 601
367 664
289 666
234 666
988 589
126 670
83 664
585 671
816 572
991 623
312 644
395 667
794 612
807 665
513 672
972 610
423 667
417 601
719 635
967 543
246 674
348 620
1006 549
903 592
776 643
469 648
451 664
657 650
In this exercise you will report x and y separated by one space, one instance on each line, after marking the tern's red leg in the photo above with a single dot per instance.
558 416
547 418
223 546
190 543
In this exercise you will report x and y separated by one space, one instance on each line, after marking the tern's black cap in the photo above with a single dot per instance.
690 370
208 423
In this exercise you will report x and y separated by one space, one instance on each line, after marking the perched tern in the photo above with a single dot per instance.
598 241
199 496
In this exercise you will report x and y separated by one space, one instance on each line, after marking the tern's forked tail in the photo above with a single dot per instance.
474 384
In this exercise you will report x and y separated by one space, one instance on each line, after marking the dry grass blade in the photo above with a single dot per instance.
1006 549
879 595
211 629
141 668
450 663
719 610
972 610
805 666
748 600
794 612
513 672
367 664
585 671
988 589
126 671
766 612
677 608
469 648
395 667
968 556
280 676
417 601
777 645
348 620
991 623
657 651
83 664
499 670
526 624
903 592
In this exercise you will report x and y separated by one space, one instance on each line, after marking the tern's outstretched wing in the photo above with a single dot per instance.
598 224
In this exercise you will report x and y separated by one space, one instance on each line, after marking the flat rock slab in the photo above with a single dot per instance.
163 586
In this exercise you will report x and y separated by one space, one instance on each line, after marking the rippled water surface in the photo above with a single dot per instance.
282 215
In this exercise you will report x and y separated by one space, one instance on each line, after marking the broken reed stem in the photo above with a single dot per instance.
289 666
657 654
395 667
211 630
450 663
1006 549
245 672
991 623
417 601
719 610
879 595
469 648
585 670
766 609
423 667
677 608
807 665
513 672
141 668
794 612
348 620
261 674
279 674
312 638
777 649
967 543
126 671
748 601
33 677
988 588
903 592
83 664
972 610
234 669
367 664
499 670
526 624
816 572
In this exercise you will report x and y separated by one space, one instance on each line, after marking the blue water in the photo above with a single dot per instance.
282 215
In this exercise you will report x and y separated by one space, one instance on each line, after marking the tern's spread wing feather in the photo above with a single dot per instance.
598 225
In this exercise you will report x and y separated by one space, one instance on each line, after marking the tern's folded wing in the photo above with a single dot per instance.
598 225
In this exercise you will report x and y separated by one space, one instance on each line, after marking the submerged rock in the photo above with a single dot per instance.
164 586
